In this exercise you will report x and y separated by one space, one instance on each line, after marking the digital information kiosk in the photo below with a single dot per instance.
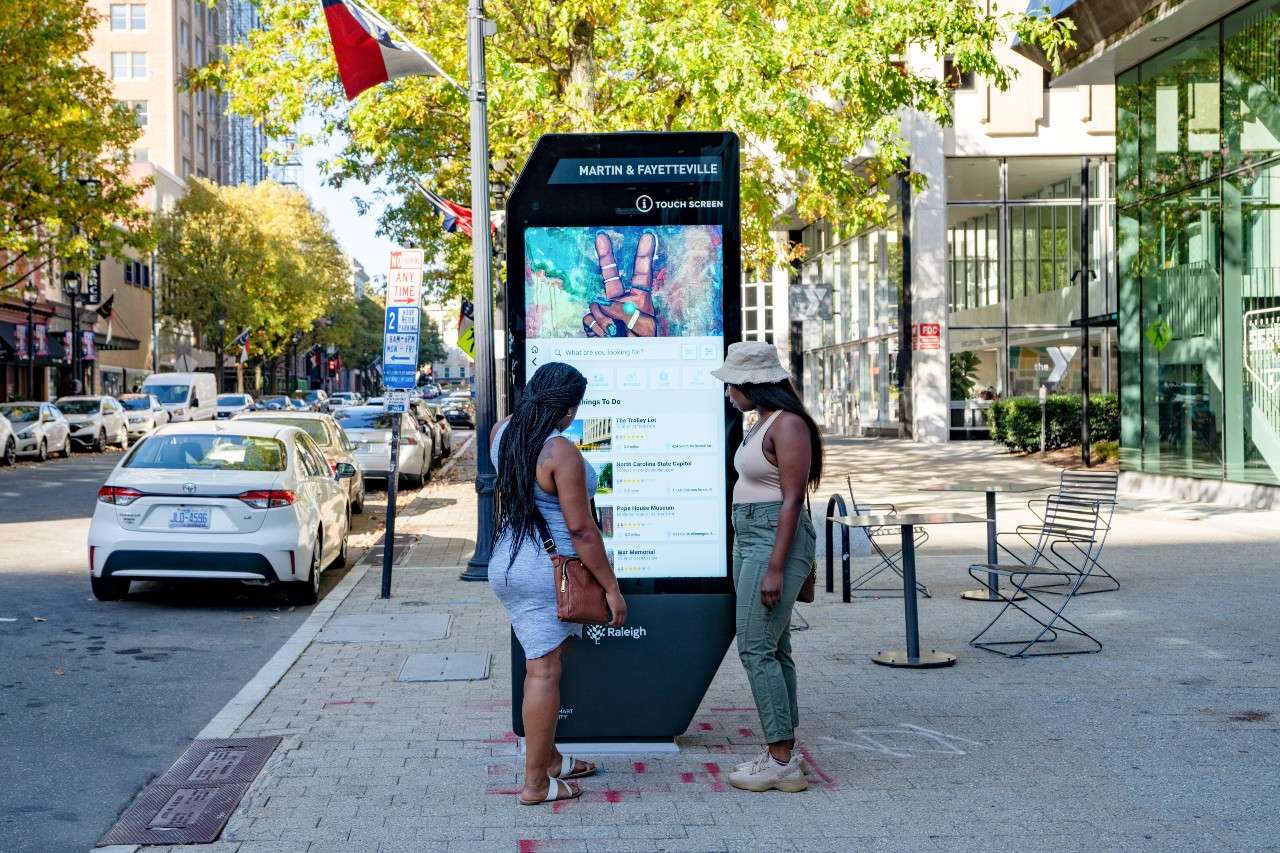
624 261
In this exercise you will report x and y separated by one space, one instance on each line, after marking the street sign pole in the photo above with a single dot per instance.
399 374
478 28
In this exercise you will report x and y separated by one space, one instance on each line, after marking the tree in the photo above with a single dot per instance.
253 257
65 187
431 346
810 85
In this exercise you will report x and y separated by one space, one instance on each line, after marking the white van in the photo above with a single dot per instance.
185 396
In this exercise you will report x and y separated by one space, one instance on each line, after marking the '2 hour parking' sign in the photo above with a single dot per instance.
400 334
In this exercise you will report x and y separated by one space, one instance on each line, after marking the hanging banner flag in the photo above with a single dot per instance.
242 341
88 349
467 329
40 333
107 311
20 342
68 347
365 51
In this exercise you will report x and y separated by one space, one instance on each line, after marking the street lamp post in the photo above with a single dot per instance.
30 296
71 287
217 355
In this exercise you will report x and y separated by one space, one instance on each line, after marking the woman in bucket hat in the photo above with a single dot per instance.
779 460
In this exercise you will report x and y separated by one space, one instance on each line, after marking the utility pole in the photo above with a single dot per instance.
1086 275
478 28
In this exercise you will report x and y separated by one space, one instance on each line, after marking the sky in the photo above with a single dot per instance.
356 233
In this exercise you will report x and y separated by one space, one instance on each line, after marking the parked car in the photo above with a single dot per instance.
297 405
185 396
230 405
143 413
428 426
231 500
369 428
446 428
8 442
95 421
317 399
330 438
39 428
430 391
345 398
459 410
273 403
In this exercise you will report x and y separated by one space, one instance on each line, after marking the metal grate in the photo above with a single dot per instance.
194 799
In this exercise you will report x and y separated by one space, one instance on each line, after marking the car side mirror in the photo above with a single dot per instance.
441 418
195 402
344 471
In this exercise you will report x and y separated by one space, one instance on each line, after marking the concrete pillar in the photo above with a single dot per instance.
931 393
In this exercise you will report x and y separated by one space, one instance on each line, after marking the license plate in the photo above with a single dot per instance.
189 518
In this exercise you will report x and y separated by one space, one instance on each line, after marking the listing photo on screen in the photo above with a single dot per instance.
619 281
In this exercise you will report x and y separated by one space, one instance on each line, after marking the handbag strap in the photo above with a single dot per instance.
544 533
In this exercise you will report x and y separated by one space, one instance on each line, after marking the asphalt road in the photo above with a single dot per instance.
97 698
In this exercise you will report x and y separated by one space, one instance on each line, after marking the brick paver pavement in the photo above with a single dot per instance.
1167 740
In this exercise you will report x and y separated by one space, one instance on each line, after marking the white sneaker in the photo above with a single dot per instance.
765 774
804 765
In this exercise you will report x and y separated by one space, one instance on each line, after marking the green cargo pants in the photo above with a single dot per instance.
764 633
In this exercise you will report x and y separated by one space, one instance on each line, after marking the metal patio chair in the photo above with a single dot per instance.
1066 549
1085 485
886 546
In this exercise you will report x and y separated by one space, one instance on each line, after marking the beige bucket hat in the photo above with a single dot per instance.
751 363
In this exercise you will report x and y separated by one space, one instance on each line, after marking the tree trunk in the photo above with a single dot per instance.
582 66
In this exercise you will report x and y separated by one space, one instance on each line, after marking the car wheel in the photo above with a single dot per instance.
100 443
109 589
308 591
357 507
43 453
66 447
10 453
124 439
341 560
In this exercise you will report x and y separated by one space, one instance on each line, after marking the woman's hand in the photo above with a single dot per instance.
617 606
771 587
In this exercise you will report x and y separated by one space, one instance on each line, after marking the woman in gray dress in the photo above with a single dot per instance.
542 472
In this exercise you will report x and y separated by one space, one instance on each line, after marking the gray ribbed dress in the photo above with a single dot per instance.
526 586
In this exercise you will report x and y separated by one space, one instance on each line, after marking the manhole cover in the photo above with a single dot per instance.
415 604
372 628
398 553
452 666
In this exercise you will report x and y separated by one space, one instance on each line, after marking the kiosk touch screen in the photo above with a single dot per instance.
623 260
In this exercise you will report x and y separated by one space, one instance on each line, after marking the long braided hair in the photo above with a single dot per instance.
554 389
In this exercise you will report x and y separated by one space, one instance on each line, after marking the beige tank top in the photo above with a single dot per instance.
758 480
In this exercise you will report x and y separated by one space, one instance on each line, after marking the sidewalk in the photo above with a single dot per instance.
1167 740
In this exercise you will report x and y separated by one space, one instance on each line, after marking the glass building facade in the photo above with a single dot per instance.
1198 232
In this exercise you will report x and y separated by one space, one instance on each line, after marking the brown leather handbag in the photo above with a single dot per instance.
579 596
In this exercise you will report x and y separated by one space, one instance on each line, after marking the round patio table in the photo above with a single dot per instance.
991 592
911 656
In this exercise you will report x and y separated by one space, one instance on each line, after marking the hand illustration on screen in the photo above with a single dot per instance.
623 310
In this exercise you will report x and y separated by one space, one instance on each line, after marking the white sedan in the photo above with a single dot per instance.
230 405
143 413
233 500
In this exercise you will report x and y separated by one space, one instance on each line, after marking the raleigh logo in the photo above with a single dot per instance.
600 632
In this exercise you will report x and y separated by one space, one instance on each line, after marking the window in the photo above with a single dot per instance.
200 56
186 126
139 112
119 66
186 168
201 140
138 63
184 35
138 18
140 155
187 451
955 77
119 22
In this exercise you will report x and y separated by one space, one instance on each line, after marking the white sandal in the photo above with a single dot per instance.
567 763
556 791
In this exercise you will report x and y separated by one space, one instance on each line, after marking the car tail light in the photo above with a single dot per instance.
267 498
118 495
333 466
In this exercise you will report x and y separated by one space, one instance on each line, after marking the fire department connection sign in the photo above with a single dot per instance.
400 333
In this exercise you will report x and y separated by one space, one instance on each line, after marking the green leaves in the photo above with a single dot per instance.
814 87
65 184
256 257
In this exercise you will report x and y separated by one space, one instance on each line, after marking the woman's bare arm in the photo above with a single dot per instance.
570 478
788 439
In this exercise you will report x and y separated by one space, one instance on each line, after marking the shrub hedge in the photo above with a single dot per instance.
1015 422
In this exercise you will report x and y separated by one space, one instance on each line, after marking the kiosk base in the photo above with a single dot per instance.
612 747
643 682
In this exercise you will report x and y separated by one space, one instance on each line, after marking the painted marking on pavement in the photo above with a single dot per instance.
888 741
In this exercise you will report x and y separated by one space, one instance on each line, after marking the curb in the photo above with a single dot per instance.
235 712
